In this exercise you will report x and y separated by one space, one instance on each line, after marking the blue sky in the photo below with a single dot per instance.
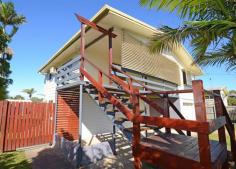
50 23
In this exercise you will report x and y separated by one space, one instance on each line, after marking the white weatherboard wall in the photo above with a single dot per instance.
186 104
49 88
94 121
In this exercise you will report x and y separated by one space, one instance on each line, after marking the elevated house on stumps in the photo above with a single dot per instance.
104 81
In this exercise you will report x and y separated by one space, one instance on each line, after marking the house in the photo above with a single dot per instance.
210 105
91 78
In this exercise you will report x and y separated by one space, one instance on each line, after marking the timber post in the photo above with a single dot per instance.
200 110
219 112
110 57
136 128
166 110
82 47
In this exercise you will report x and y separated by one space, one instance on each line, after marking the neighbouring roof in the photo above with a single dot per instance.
117 18
217 88
232 95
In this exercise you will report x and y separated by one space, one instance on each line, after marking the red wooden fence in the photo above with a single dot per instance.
24 124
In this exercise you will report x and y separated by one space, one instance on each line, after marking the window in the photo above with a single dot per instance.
184 77
187 104
49 76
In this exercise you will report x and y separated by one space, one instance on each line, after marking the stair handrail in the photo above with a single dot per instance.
124 85
147 88
222 111
128 113
231 130
154 92
151 103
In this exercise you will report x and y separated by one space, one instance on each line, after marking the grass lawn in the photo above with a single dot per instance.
214 136
14 160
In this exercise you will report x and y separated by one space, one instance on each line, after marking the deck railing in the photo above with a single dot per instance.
152 84
201 126
68 73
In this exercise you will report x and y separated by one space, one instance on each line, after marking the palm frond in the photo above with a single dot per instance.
194 9
203 35
225 55
170 38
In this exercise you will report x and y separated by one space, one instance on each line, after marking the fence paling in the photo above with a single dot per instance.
24 124
3 124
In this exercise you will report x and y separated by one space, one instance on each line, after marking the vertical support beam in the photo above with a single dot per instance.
80 113
82 47
219 112
100 81
145 104
230 129
110 52
55 118
136 129
114 139
166 110
200 110
199 100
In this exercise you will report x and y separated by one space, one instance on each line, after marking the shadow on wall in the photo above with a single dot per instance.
67 135
71 98
67 113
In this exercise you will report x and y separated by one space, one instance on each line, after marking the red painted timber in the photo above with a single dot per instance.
219 113
136 129
94 25
24 124
3 125
100 81
200 110
153 104
106 94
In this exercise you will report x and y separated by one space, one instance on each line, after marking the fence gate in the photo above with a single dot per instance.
24 124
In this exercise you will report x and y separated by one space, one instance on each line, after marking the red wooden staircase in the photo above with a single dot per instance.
165 149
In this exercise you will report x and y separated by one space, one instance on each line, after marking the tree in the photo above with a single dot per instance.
36 99
30 92
211 29
231 101
232 98
9 24
19 97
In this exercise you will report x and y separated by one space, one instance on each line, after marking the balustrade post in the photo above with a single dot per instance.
219 112
166 110
110 53
100 81
136 129
200 110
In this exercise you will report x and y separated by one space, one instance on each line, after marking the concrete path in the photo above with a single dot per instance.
47 158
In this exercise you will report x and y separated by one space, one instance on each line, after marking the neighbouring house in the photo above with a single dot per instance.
210 104
233 95
81 111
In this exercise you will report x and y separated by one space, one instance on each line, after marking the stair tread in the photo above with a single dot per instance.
120 120
142 128
111 113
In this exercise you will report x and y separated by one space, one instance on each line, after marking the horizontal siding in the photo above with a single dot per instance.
136 56
49 88
68 113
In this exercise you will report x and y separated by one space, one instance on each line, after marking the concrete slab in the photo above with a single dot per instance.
47 158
